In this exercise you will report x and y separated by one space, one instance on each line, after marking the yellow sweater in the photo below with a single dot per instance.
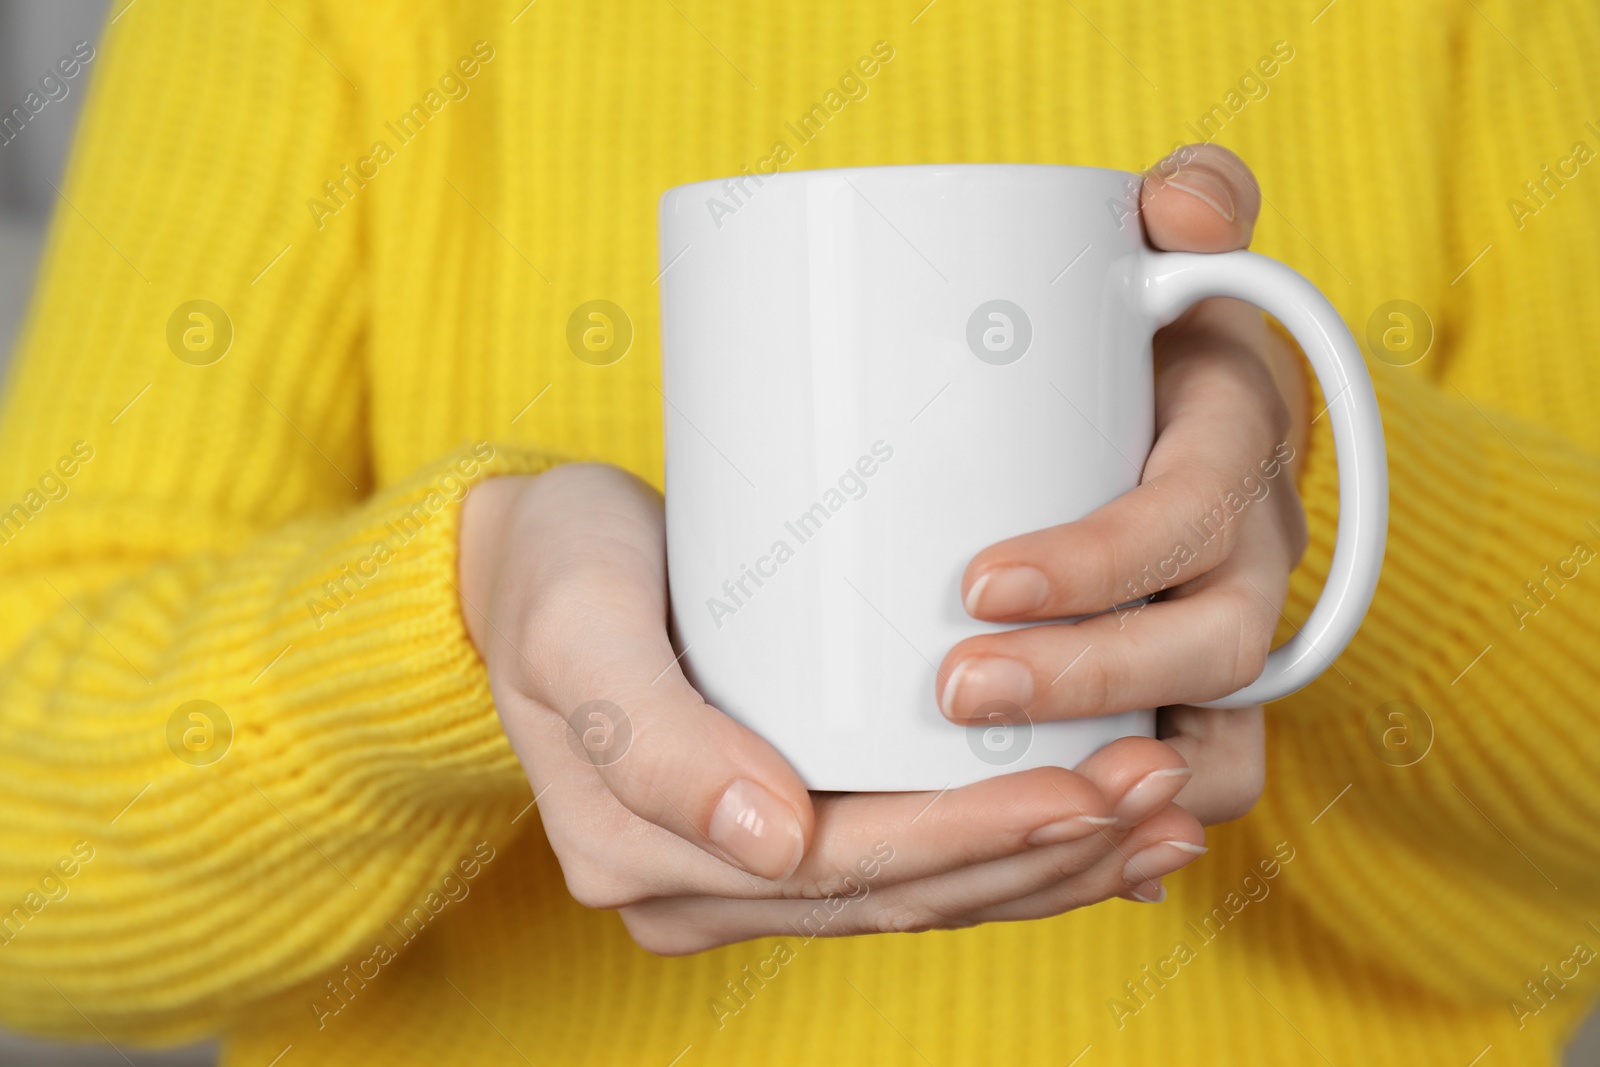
361 879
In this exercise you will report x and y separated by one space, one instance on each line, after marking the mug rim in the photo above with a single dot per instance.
790 176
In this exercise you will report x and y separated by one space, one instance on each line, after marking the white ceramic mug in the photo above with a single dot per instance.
870 374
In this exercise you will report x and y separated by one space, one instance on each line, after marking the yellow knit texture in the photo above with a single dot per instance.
407 338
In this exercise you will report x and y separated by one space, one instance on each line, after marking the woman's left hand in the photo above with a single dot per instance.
1216 526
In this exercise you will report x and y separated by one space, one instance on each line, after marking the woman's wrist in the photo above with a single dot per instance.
486 519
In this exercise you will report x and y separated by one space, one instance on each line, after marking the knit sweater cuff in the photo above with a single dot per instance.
345 755
379 601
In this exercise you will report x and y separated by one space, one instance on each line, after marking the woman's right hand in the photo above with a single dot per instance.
693 827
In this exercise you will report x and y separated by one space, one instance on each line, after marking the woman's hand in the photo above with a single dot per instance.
1215 523
659 805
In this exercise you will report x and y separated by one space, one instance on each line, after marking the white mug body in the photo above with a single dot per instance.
870 375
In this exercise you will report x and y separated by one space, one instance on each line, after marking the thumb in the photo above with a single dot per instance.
674 760
592 648
1201 198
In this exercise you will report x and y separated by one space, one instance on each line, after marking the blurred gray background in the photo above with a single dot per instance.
33 34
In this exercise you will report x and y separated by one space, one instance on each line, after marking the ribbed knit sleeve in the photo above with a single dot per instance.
241 723
1463 719
1447 758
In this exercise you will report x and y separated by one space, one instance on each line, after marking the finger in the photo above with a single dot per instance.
1136 776
677 925
979 825
929 834
1045 882
1201 198
1162 845
1091 870
1209 639
598 656
900 837
887 837
1139 775
1227 749
1221 453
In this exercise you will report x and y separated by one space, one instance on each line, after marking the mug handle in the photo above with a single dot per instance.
1172 282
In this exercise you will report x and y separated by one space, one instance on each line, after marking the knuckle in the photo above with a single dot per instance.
1098 571
597 887
1202 501
639 779
828 886
660 937
1279 420
1216 517
1251 630
1252 783
1297 531
1091 685
1239 798
1066 867
907 917
1070 893
658 784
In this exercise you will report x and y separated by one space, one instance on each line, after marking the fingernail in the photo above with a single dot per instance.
758 830
1152 892
1079 826
981 679
1204 187
1008 591
1150 794
1151 863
